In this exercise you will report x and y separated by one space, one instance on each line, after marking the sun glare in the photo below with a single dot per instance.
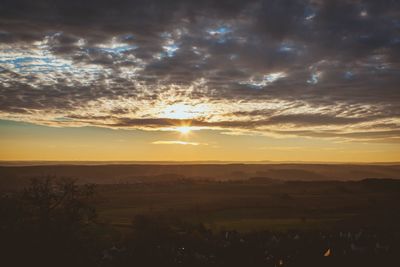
178 111
184 129
183 111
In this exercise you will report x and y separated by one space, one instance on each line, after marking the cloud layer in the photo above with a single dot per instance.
313 68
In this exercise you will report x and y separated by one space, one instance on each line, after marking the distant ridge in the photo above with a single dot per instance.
45 162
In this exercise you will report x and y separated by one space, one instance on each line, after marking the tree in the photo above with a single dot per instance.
59 202
50 223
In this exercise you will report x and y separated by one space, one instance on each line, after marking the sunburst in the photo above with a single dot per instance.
184 129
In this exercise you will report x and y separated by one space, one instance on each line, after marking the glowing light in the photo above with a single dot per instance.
183 111
176 142
177 111
184 129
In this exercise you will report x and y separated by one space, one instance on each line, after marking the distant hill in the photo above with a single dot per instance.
126 173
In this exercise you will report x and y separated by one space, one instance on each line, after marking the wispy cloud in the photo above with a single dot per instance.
177 142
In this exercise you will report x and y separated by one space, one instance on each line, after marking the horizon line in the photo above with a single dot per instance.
175 162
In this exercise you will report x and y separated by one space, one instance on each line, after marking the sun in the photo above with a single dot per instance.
184 129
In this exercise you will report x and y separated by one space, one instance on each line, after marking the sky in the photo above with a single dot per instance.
280 80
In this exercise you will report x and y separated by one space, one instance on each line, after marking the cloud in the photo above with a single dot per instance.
177 142
298 66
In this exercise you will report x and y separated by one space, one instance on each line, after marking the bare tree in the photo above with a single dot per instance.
59 201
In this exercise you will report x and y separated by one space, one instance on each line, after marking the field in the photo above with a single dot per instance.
243 197
183 215
251 206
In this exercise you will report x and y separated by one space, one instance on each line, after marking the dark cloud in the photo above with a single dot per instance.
339 58
293 119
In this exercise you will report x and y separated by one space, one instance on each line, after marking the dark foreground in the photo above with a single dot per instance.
254 222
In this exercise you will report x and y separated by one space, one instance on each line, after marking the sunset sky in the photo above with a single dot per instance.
280 80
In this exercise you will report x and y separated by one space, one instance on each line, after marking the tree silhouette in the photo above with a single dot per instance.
50 222
59 202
